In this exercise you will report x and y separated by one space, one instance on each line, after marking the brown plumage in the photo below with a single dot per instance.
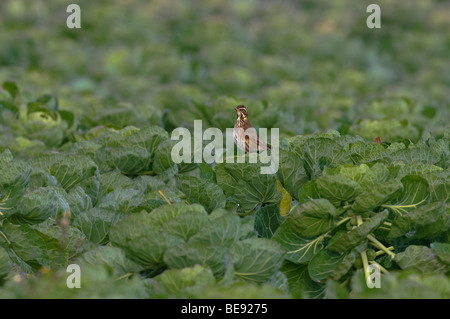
245 135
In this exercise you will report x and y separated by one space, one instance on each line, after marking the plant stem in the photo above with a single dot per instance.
147 173
400 209
359 220
383 270
343 221
380 245
162 194
365 264
381 252
345 282
364 259
347 207
124 276
403 206
321 237
6 239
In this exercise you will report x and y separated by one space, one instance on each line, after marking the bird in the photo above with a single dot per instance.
245 135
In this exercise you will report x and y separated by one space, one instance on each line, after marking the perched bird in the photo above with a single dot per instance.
245 135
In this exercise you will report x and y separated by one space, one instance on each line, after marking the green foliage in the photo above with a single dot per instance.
38 205
114 200
206 193
267 220
256 259
246 186
313 218
87 177
15 176
182 283
396 285
130 150
420 258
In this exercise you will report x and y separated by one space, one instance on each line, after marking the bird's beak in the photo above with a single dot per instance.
235 108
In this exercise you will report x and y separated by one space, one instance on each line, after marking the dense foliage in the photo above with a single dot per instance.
86 175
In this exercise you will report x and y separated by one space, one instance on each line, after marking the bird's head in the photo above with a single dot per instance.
241 112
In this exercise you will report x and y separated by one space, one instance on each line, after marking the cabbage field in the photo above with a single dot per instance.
89 187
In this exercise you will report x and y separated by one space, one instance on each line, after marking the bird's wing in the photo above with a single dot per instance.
253 142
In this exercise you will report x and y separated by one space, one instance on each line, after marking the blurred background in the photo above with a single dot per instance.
301 66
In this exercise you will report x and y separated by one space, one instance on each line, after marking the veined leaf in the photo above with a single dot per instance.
355 173
309 191
78 200
292 173
439 182
96 224
415 192
354 237
222 229
421 258
184 282
337 189
113 180
246 185
71 240
208 194
130 150
5 265
197 253
416 168
377 195
294 272
362 152
320 152
427 221
113 257
14 179
142 243
178 219
418 153
69 170
267 220
442 252
256 259
298 249
163 157
312 218
376 174
37 206
323 264
126 200
30 248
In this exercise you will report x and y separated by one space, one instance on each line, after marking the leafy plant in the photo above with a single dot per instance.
87 177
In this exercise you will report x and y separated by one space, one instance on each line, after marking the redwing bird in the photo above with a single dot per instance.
245 135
